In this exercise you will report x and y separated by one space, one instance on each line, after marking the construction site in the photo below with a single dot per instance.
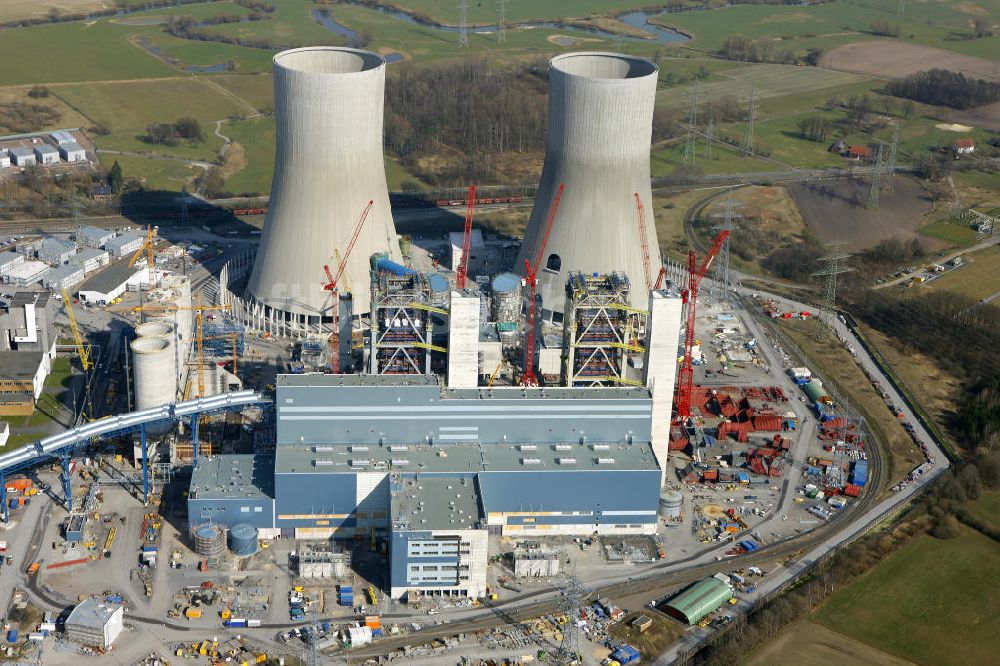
328 431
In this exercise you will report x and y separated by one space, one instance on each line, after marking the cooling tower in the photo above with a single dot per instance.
328 165
600 129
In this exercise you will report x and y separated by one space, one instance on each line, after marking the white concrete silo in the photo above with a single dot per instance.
328 164
600 132
154 371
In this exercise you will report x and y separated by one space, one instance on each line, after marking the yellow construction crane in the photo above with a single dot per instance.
147 247
81 347
199 329
234 337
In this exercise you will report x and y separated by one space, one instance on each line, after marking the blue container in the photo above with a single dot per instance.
235 623
12 636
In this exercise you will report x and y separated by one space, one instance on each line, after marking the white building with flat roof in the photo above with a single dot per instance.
62 137
94 236
72 152
8 260
95 623
26 273
91 258
46 154
124 245
63 277
22 157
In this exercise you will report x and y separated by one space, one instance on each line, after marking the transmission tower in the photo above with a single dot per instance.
502 22
691 145
748 134
722 287
833 267
572 598
901 9
463 23
891 167
709 137
877 172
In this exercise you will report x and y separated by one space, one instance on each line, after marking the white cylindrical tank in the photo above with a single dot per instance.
152 328
600 132
671 502
154 371
328 165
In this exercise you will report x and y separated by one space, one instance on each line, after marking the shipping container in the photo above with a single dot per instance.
12 636
234 623
253 623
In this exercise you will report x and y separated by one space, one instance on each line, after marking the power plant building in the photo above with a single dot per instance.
328 165
600 133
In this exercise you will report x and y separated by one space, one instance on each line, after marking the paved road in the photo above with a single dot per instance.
994 240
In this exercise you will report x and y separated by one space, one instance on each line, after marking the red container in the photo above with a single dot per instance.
68 563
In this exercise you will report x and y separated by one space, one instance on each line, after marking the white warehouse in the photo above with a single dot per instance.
46 154
95 623
94 237
91 259
72 152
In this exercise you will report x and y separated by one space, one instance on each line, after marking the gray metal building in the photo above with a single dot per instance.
26 323
63 277
56 251
94 236
124 245
22 157
95 623
46 154
8 260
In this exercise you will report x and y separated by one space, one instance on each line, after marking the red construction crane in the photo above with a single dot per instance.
685 382
528 378
334 279
463 265
643 239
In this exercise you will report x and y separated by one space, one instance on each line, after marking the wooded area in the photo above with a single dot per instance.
944 88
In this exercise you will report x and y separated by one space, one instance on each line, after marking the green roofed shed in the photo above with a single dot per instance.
699 600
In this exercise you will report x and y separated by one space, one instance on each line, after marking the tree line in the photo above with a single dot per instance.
945 88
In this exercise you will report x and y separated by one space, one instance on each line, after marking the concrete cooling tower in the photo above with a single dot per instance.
328 165
600 131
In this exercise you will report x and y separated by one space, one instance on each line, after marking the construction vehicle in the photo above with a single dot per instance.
685 382
463 266
531 271
33 567
333 280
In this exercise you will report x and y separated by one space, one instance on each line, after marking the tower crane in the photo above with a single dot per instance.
531 271
333 280
685 382
147 247
463 265
641 210
233 337
81 349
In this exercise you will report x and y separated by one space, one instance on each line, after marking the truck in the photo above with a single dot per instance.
235 623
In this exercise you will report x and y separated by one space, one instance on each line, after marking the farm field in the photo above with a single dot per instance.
257 138
889 59
806 643
835 211
257 90
978 278
931 602
769 81
156 174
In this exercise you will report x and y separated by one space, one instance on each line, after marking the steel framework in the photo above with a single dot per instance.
401 324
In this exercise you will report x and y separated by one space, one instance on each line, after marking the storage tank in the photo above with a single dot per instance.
329 164
243 539
209 540
506 298
599 138
440 289
671 502
815 392
154 371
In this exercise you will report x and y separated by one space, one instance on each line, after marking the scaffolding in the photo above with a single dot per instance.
400 324
218 337
601 330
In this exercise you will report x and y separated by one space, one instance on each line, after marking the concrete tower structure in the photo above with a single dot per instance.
328 165
600 131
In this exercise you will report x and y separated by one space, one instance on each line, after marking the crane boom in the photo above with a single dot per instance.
147 248
463 265
685 382
528 378
333 280
81 348
644 241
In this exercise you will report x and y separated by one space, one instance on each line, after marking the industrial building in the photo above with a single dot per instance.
94 237
599 137
56 251
112 282
699 600
64 277
95 623
62 137
26 273
26 323
124 245
72 152
9 260
22 157
91 259
46 154
4 159
22 378
329 164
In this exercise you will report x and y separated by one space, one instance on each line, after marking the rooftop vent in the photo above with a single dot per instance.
563 447
323 449
605 461
600 447
399 462
566 461
361 462
398 447
356 447
527 447
531 461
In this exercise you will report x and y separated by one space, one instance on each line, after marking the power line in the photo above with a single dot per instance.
502 22
463 23
832 269
891 168
709 136
691 144
722 289
876 185
748 134
572 598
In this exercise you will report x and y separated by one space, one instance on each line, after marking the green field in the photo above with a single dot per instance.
931 602
257 138
169 175
978 278
944 24
485 12
256 90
